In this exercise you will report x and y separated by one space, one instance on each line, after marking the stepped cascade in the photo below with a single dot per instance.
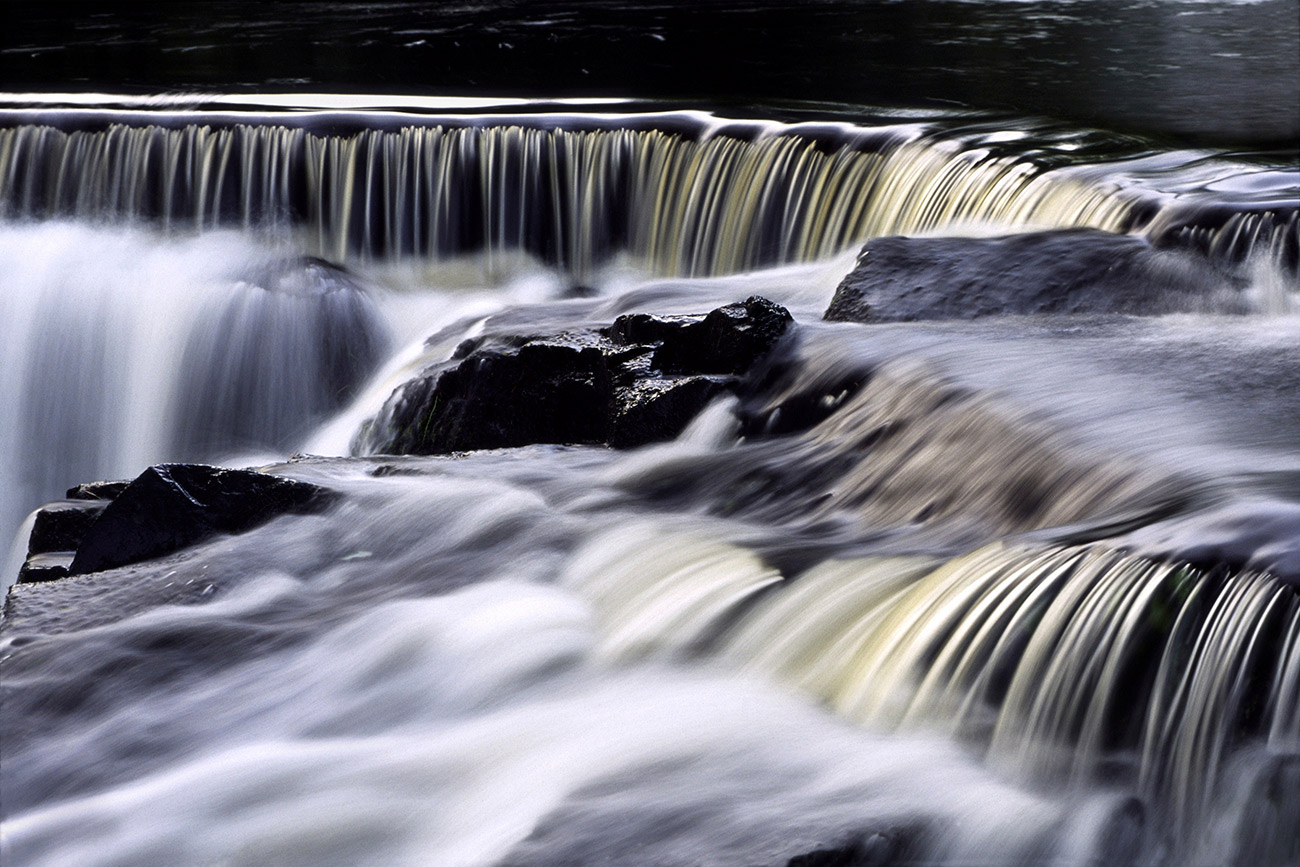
845 567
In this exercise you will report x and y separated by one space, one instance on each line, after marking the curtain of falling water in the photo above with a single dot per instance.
1063 664
678 205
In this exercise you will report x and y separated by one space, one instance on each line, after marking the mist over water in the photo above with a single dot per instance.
1003 589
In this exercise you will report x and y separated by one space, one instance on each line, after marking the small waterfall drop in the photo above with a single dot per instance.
1074 664
120 350
691 203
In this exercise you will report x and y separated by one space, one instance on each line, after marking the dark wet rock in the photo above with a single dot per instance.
641 380
45 567
727 340
62 525
172 506
274 355
653 410
549 391
901 279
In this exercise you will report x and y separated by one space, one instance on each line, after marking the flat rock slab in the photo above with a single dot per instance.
901 279
171 506
45 567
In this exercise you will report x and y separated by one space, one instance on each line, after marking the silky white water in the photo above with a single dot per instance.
1021 592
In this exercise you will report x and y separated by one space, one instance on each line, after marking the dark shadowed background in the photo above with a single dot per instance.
1204 71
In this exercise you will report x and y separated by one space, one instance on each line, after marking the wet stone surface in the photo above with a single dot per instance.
901 279
638 381
171 506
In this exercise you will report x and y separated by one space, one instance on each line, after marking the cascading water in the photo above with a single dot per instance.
708 199
1076 664
703 201
936 594
120 350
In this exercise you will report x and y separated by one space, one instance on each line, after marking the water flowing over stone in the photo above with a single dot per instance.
666 571
306 319
120 352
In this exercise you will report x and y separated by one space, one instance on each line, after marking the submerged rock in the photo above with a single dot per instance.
899 448
275 354
1231 232
640 380
171 506
901 279
1250 534
705 812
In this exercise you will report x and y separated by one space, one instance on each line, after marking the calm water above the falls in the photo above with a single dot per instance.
1014 589
1223 71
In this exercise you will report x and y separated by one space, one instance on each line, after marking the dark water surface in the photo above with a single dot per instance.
1224 71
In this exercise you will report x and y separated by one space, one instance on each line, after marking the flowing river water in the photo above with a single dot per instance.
1024 591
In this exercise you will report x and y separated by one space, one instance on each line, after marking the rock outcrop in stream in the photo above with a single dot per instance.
168 507
904 279
641 380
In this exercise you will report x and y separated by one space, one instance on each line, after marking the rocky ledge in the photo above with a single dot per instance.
640 380
168 507
904 279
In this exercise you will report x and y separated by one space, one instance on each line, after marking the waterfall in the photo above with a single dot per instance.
891 598
694 198
691 203
1079 664
119 350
